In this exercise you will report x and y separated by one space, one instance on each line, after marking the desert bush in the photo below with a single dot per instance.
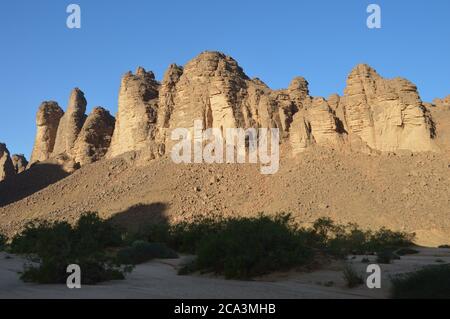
342 240
385 238
153 233
271 243
246 247
351 277
3 240
406 251
386 256
187 236
431 282
444 246
142 251
56 245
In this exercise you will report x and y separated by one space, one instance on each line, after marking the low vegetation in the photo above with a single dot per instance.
3 240
52 246
406 251
236 247
141 251
351 277
271 243
431 282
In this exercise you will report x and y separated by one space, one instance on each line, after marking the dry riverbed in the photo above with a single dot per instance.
159 279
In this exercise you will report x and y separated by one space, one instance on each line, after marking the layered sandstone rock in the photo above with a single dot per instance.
20 163
387 114
214 89
374 114
209 90
137 113
71 123
315 123
47 121
95 137
6 164
443 103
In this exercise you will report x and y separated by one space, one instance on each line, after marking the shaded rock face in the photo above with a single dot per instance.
6 165
137 113
47 121
95 137
387 114
70 124
20 163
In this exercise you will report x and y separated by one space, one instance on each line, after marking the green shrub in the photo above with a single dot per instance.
431 282
55 245
386 256
444 246
248 247
351 277
3 240
188 268
142 251
406 251
342 240
385 238
186 236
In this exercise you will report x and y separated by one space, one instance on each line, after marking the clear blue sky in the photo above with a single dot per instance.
41 59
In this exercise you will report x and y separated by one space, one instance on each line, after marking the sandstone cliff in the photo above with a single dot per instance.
70 124
47 121
20 163
442 103
95 137
373 115
6 165
137 113
387 114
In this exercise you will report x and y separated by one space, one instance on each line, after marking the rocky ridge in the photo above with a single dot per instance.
374 114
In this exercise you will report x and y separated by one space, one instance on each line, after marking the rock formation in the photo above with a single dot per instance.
95 137
47 121
20 163
374 114
314 123
137 113
386 113
6 164
443 103
71 123
214 89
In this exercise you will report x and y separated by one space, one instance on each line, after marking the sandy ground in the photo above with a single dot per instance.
159 279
